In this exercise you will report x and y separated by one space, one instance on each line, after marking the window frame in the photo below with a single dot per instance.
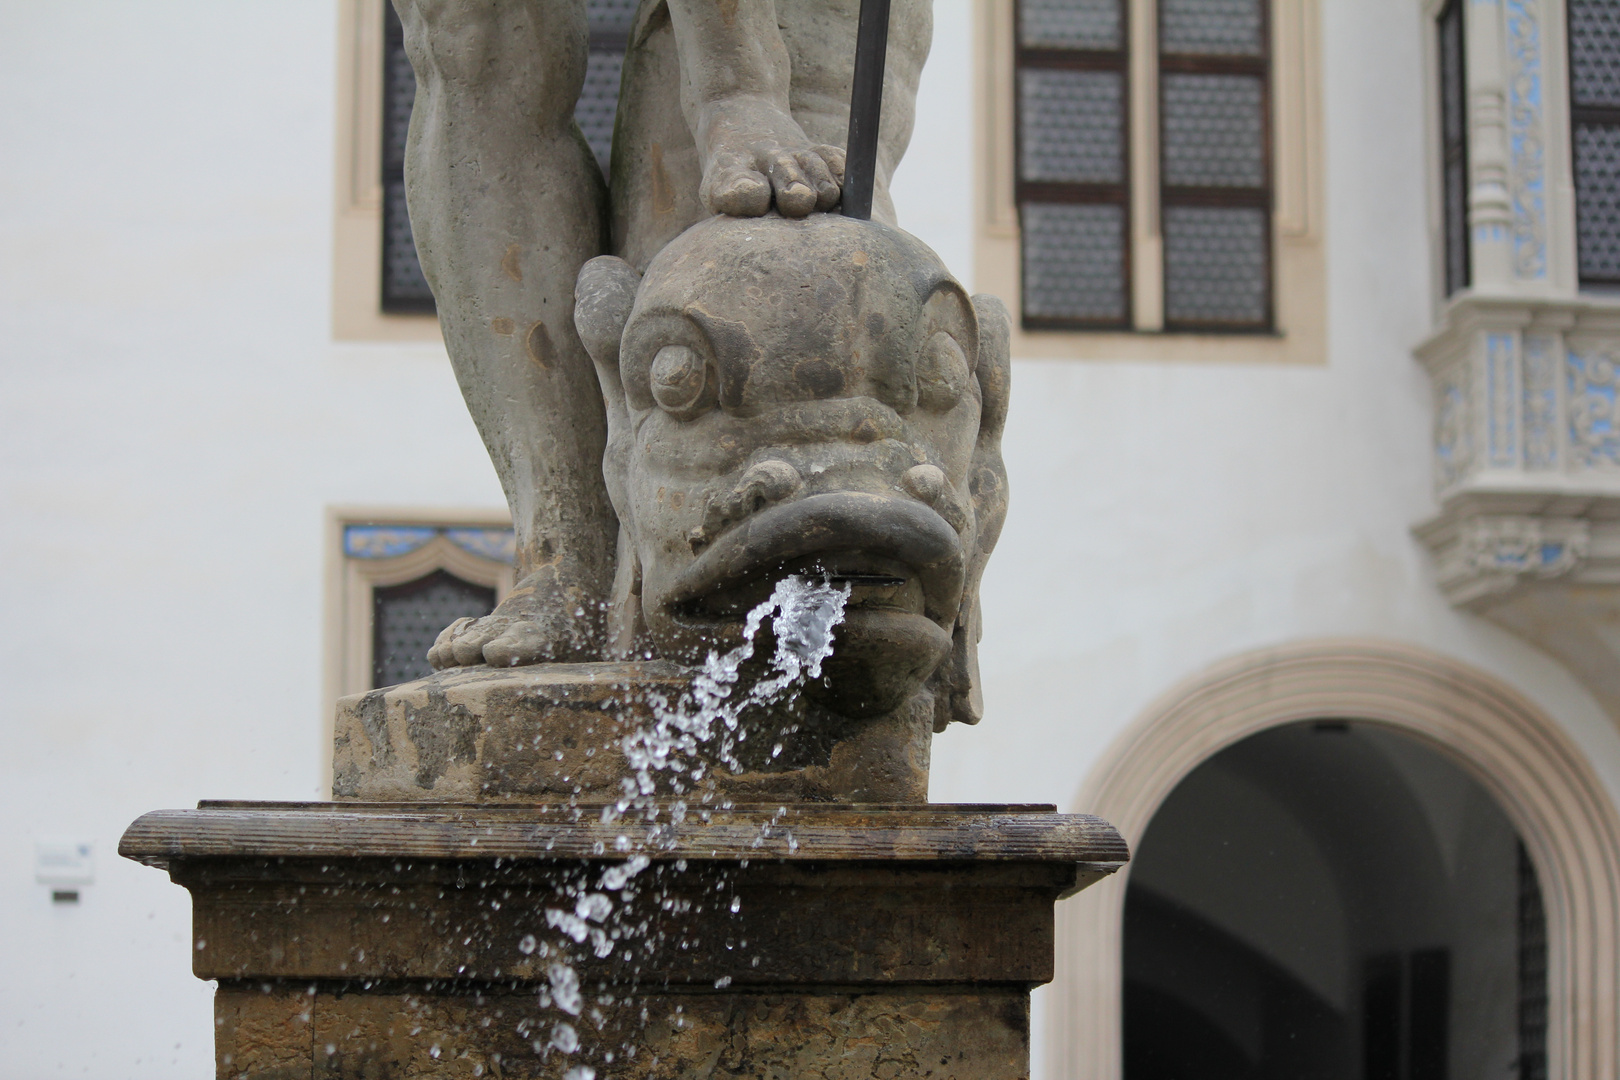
1298 297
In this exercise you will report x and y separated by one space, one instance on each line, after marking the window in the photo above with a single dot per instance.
399 577
598 103
404 289
1594 98
1151 178
379 292
1212 155
1454 146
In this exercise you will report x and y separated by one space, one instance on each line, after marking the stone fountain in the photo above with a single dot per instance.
664 812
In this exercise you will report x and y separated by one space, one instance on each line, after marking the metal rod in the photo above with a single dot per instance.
865 108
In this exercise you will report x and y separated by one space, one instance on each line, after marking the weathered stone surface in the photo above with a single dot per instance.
457 922
475 734
264 1035
557 731
908 834
404 1034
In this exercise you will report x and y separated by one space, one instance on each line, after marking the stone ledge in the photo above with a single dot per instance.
564 831
808 895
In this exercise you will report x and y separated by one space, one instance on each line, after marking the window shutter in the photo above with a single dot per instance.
406 619
1073 163
404 290
1215 164
1594 94
1454 146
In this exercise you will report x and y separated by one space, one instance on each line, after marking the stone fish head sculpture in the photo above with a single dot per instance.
815 395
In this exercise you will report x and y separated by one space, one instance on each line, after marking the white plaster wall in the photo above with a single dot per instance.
175 417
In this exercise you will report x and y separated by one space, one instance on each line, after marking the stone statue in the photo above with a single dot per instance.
738 383
796 395
691 386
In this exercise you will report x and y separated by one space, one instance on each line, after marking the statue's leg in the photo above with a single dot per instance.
506 205
820 40
735 92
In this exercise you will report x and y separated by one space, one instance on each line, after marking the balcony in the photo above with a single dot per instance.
1527 470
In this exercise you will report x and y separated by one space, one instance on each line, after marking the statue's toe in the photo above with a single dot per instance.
833 158
738 192
443 653
520 643
820 177
795 197
467 646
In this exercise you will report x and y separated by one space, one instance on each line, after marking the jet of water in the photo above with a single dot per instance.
706 723
686 737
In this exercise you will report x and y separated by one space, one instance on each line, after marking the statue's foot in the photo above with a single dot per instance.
533 625
758 155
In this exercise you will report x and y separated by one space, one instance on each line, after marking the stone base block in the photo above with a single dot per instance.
266 1032
424 940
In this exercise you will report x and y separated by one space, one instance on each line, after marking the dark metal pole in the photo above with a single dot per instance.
865 108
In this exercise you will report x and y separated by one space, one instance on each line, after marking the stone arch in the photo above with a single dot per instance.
1539 777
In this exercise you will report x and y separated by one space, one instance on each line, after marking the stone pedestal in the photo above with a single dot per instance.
556 732
424 940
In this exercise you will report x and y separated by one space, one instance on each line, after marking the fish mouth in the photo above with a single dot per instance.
896 555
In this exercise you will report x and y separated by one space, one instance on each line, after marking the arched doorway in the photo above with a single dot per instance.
1332 901
1531 769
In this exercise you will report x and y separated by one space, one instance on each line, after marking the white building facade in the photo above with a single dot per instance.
1351 520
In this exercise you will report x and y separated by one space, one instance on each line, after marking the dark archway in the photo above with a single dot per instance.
1332 901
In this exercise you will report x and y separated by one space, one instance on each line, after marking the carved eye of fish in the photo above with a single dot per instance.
942 373
679 378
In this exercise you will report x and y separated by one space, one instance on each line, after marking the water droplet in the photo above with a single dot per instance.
565 989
